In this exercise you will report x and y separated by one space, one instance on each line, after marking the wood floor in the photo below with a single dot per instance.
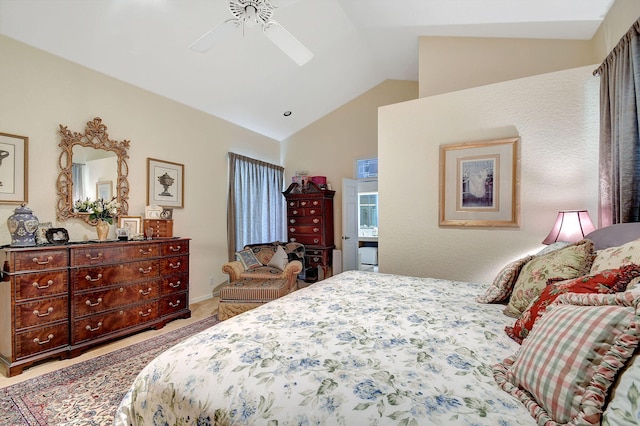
199 311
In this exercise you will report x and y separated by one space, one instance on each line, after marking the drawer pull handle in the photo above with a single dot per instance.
295 212
142 314
312 211
176 285
146 271
315 240
88 278
41 287
316 229
316 202
172 248
90 257
43 262
316 220
145 252
176 266
88 327
292 240
292 221
88 302
316 259
175 305
44 342
145 293
38 314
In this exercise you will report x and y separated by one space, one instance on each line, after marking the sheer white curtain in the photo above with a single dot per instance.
256 207
619 136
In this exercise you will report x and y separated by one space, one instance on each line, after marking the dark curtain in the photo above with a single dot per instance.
256 206
619 141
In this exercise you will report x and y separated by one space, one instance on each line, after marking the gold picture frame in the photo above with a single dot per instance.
165 183
14 168
479 183
132 223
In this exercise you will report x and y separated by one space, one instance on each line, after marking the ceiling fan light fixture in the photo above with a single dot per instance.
251 16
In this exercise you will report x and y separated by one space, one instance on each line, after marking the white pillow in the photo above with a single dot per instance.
279 259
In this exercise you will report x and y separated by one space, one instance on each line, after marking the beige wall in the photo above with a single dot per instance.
621 16
475 62
556 117
330 146
41 91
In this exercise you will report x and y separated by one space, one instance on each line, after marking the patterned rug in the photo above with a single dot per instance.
87 393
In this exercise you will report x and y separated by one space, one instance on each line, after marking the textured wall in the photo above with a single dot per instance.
556 117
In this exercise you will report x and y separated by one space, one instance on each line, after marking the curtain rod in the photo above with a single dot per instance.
633 31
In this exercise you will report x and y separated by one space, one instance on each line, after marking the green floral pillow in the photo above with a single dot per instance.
570 262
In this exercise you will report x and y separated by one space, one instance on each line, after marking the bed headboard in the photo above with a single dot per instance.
614 235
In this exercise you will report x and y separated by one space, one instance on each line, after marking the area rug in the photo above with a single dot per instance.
87 393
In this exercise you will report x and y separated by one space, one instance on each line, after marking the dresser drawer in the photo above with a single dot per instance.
310 203
175 247
142 251
92 327
306 239
96 277
34 341
308 230
43 284
300 211
41 312
38 260
174 265
95 255
309 220
174 284
115 297
173 303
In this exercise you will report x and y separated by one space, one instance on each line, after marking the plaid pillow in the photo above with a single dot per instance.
608 281
500 288
564 369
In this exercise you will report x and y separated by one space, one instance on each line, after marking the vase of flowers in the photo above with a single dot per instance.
101 213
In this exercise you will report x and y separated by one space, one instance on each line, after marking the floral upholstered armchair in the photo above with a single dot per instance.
268 261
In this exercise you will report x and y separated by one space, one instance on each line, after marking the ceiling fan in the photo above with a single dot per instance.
252 13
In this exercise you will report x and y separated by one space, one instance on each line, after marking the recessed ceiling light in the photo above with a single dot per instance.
287 113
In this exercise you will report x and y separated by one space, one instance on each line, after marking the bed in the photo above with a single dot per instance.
357 348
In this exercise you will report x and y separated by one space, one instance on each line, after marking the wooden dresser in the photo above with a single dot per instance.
310 222
59 301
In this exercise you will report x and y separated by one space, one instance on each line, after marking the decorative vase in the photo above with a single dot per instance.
23 226
102 228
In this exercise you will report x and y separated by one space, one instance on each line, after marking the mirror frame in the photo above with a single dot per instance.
94 136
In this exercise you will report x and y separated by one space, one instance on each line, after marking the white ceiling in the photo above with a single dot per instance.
247 80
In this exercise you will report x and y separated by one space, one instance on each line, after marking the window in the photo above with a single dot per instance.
367 168
368 204
256 208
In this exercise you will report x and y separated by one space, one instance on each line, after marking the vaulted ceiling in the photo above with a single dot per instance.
245 78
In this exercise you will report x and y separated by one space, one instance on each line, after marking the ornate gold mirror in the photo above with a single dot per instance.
92 161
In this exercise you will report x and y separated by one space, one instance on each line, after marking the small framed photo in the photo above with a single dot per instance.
122 234
479 183
132 223
41 233
153 212
104 190
14 155
57 235
165 183
167 213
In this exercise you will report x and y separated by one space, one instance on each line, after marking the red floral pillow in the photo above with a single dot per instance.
607 281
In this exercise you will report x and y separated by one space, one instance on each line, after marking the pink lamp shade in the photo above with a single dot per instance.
571 226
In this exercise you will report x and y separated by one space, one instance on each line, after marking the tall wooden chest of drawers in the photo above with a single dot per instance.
59 301
310 222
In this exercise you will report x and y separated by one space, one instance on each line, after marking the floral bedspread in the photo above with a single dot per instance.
358 348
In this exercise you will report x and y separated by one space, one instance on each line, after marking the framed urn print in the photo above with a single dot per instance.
14 156
479 183
165 183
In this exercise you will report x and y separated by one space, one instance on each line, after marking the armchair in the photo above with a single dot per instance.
264 253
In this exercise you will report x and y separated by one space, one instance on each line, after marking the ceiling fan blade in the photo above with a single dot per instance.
287 43
215 35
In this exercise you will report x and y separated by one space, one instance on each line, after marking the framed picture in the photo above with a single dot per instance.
167 213
165 183
14 154
479 183
104 190
132 223
153 212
